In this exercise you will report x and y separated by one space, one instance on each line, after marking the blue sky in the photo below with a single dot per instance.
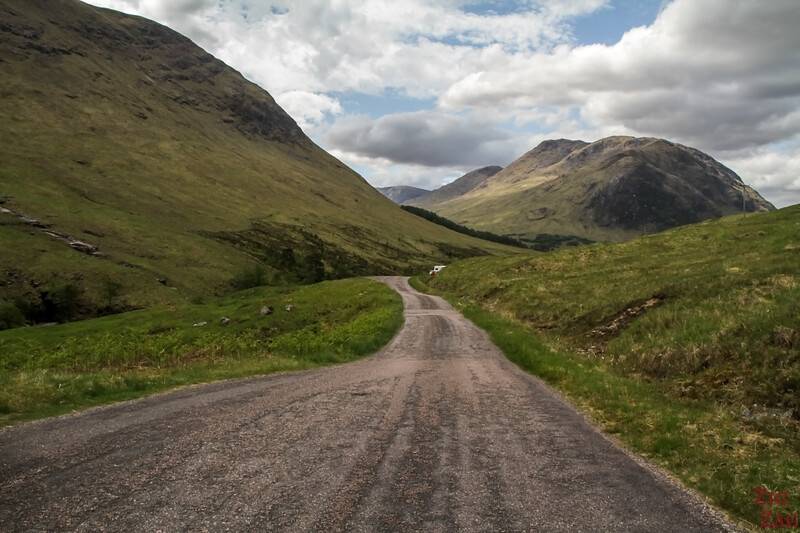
386 102
421 91
605 25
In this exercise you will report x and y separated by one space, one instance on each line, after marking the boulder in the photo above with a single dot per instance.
83 247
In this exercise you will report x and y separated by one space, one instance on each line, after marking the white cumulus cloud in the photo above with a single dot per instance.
427 138
309 109
721 75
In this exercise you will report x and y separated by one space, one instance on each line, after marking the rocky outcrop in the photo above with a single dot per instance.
75 244
167 62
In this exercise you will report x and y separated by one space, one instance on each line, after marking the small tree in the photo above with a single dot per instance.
311 268
110 291
62 302
10 316
249 277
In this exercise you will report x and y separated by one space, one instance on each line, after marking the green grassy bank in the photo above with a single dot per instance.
685 344
51 370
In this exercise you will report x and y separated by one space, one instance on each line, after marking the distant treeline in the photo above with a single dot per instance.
543 242
485 235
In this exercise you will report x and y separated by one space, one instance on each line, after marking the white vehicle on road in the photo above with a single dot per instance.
437 269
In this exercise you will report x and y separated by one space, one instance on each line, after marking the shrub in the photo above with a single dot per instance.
111 291
62 302
10 316
311 268
249 277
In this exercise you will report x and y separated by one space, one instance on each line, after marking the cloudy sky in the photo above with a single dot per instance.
418 92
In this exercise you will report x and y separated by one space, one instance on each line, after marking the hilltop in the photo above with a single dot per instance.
137 169
609 190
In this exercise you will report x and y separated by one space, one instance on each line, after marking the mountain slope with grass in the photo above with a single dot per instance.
712 309
613 189
135 168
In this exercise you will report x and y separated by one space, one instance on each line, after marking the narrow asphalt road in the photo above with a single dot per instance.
438 432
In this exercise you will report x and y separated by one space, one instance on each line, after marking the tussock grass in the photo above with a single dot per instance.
728 328
707 383
708 448
50 370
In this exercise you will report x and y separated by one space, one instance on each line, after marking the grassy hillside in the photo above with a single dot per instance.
712 310
51 370
613 189
172 172
685 344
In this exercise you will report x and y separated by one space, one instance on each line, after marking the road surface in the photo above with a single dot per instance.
438 432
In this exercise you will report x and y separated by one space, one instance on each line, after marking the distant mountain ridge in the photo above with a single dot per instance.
612 189
404 194
466 183
400 194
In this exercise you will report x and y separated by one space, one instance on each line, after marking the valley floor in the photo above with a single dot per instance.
438 431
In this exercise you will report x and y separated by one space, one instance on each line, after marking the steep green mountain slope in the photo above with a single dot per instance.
469 181
610 190
137 168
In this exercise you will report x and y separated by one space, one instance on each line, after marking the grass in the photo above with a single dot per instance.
728 324
51 370
710 449
705 383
